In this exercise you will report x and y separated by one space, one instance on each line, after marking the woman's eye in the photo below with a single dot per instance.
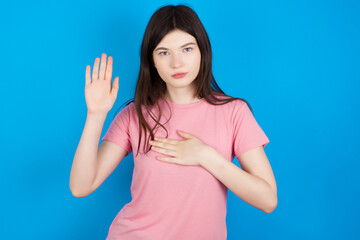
163 53
187 49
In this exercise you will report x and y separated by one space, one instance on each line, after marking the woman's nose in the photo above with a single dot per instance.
176 61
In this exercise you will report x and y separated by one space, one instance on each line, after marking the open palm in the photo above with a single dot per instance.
99 95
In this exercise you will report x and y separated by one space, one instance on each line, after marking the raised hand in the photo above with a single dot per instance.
99 95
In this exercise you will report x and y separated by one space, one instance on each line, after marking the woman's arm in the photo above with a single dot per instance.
255 184
84 166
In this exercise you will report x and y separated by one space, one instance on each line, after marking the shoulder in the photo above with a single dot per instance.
233 105
235 109
126 111
129 108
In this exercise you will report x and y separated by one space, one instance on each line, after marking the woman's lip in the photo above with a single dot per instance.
179 75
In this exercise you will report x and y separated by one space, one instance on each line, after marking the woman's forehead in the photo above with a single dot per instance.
176 39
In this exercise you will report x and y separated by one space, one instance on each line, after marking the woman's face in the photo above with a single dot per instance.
177 53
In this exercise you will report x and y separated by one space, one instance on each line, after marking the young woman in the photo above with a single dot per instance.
184 132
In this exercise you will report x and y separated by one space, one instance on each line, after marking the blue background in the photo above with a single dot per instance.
296 62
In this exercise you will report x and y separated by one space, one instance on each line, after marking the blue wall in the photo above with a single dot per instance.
296 62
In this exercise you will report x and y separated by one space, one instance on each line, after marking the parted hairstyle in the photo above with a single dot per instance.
150 87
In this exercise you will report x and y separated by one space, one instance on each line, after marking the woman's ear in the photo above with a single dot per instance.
153 62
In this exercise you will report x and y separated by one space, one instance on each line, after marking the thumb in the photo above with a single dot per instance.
115 87
184 134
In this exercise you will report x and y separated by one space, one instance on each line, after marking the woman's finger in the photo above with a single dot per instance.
115 87
95 74
164 151
109 67
163 145
167 140
87 75
102 67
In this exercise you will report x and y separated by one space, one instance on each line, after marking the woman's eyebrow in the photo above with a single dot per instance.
162 48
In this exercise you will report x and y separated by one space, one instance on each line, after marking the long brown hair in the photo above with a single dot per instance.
150 87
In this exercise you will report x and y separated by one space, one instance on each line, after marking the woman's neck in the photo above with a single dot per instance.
181 98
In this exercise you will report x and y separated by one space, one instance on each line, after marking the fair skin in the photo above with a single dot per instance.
178 52
255 182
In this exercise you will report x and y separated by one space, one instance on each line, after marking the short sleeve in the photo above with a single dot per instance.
247 132
118 131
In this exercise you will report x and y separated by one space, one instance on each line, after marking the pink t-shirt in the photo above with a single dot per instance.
179 202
